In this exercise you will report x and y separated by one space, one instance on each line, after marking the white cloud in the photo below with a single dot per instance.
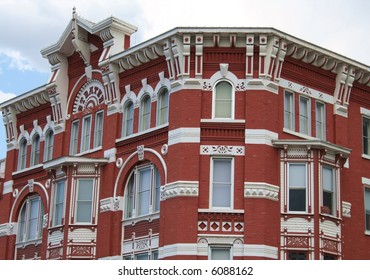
6 96
14 59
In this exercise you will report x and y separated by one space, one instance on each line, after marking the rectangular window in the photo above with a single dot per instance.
222 183
366 135
297 182
297 255
328 187
74 138
320 121
289 110
367 209
304 115
144 190
58 203
220 253
34 219
86 134
98 131
84 200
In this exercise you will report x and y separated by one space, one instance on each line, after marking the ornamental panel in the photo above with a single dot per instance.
90 95
222 150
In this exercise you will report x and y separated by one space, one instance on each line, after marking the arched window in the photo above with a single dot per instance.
223 101
143 191
35 154
162 115
22 155
128 121
145 113
30 219
49 145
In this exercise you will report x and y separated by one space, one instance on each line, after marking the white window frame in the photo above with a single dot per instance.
214 97
213 159
48 145
154 192
73 148
59 203
128 119
98 129
321 121
81 202
35 150
220 247
86 133
24 225
305 118
22 154
367 210
289 111
145 117
333 192
162 107
367 137
289 187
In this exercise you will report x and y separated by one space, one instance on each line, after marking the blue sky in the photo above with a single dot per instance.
27 26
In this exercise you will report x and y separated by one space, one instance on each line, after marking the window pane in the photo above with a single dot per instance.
223 100
74 138
98 137
222 183
163 107
22 154
328 178
320 121
304 115
288 111
49 144
297 256
297 200
142 256
145 113
84 200
59 203
130 196
33 219
85 141
367 208
297 175
366 135
157 190
144 191
220 253
129 119
35 150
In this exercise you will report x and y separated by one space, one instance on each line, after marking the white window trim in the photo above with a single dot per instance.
232 101
162 92
99 113
212 158
55 193
220 246
75 127
92 201
309 117
288 188
141 119
291 110
323 120
82 144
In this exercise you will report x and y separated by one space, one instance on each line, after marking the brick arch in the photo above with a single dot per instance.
26 191
150 155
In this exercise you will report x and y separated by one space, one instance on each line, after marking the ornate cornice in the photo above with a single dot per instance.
180 188
261 190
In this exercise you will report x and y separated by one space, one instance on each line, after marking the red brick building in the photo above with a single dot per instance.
200 143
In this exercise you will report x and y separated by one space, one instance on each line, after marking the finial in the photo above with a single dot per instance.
74 13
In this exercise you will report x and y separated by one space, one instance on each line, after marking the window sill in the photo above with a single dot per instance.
135 220
218 210
27 169
365 156
142 132
219 120
23 244
89 151
298 134
367 232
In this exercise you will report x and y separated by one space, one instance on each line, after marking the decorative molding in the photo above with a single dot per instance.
365 181
8 229
179 249
310 92
184 135
110 155
111 204
260 136
8 187
140 152
346 209
180 188
257 250
222 150
91 94
261 190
